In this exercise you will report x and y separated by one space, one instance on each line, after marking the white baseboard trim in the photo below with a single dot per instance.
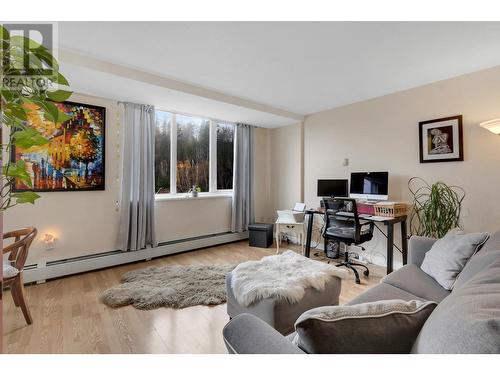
114 258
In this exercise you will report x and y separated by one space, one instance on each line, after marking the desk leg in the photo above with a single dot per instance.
278 238
404 242
390 247
301 241
309 235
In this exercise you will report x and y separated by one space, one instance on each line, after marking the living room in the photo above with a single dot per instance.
263 187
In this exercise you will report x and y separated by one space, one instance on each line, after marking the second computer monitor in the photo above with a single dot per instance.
333 188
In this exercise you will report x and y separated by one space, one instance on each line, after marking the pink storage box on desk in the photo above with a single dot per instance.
365 208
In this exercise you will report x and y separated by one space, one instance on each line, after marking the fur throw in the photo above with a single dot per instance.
170 286
284 276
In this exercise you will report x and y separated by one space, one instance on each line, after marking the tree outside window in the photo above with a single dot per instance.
162 152
225 151
188 143
193 140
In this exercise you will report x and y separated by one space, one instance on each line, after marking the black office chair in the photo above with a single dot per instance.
342 225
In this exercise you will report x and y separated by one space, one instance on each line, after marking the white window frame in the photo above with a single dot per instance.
212 160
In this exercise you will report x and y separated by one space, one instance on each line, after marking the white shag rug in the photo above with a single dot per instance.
284 276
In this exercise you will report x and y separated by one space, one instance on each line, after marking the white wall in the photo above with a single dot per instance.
86 223
262 176
83 222
379 134
382 134
286 167
187 218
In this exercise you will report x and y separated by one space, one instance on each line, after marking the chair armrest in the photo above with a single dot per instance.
418 246
247 334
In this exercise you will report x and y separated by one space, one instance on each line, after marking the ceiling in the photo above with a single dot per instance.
300 67
112 86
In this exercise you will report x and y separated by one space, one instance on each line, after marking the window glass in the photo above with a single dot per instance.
193 140
162 152
225 150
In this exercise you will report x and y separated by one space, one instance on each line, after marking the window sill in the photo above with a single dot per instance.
185 196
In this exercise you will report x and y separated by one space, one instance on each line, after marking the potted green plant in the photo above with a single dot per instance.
436 208
194 191
23 96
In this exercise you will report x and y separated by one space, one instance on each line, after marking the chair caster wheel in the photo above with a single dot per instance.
366 273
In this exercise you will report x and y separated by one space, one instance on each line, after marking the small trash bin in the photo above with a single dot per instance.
261 234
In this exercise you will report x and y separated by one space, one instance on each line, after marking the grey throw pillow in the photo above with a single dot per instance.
389 326
449 255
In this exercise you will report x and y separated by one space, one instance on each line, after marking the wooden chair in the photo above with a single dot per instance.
18 252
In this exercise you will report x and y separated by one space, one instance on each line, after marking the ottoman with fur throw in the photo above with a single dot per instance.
279 288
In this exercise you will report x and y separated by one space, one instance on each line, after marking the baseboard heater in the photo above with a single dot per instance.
71 266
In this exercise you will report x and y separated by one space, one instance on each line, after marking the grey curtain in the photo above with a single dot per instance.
242 209
137 216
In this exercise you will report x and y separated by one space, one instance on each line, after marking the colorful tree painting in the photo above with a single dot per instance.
73 157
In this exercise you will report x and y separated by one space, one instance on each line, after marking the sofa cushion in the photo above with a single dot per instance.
493 243
448 256
8 269
476 264
468 321
382 291
412 279
247 334
389 326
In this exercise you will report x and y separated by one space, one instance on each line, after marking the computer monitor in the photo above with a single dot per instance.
370 185
333 188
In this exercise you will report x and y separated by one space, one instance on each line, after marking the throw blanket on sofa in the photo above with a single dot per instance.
284 276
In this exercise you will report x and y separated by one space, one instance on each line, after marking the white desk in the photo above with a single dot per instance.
299 229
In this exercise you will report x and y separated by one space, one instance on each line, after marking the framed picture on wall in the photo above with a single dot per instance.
441 140
73 157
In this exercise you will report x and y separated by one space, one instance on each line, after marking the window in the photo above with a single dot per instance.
193 142
192 151
225 150
162 152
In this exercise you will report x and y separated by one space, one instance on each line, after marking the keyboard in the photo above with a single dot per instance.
380 218
350 214
364 216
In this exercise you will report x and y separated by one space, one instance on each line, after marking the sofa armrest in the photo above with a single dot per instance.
418 246
247 334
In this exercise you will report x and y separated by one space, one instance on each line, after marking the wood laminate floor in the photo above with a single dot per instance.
69 318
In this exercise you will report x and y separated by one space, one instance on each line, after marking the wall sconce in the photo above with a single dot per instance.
492 125
49 241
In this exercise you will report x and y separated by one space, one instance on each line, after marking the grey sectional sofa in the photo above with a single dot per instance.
467 320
